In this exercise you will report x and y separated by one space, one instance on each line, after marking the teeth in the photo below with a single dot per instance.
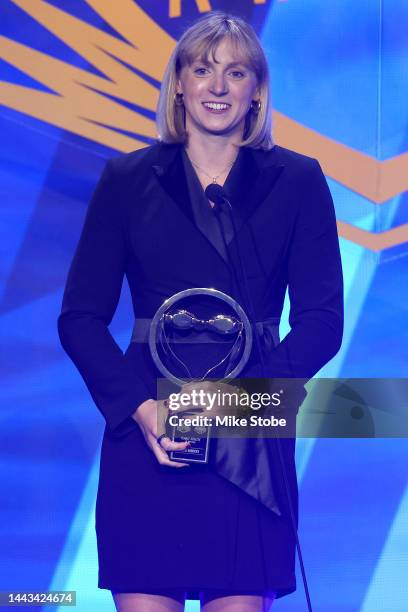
215 105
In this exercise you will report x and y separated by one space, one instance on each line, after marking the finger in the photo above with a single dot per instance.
163 458
159 427
193 386
167 444
191 411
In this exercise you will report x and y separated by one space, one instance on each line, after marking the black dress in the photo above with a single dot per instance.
193 529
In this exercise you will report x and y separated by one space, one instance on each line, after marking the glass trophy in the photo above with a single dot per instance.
198 334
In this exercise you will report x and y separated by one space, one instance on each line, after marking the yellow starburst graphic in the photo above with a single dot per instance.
95 106
79 103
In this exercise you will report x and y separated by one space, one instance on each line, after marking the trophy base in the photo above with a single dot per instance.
197 452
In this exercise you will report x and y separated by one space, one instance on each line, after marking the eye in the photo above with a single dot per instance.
237 74
200 71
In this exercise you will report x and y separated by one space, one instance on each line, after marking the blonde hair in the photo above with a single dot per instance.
199 40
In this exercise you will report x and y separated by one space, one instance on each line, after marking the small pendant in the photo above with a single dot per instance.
214 179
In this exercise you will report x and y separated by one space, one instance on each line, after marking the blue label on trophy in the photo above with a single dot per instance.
198 450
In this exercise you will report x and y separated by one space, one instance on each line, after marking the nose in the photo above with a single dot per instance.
218 85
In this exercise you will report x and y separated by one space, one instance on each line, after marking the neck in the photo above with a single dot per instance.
212 151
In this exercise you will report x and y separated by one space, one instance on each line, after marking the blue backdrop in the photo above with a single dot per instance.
73 92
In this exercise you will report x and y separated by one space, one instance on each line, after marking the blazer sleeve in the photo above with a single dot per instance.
315 284
90 299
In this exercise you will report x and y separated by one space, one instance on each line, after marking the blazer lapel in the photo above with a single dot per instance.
251 180
171 175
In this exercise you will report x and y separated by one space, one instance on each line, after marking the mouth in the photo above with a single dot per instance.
216 107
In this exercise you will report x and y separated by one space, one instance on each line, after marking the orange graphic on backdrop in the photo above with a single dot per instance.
82 101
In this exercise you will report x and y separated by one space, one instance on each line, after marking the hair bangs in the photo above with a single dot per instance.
205 50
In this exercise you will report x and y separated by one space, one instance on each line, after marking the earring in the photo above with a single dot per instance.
178 99
256 106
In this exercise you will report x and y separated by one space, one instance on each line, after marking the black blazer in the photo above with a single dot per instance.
140 224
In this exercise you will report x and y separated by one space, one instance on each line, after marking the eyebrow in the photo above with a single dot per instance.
230 65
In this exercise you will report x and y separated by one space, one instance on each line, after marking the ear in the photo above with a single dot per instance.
178 87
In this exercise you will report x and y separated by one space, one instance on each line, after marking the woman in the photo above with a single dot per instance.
167 529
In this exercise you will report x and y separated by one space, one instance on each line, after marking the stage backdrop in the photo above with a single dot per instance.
79 82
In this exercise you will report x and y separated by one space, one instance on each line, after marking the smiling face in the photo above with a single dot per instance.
218 91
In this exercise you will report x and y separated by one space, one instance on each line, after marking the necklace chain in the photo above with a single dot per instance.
213 178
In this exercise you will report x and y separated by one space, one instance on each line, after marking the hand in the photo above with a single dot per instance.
151 417
210 398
